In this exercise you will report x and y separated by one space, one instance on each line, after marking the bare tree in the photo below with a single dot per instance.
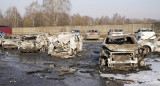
54 8
13 17
32 10
2 20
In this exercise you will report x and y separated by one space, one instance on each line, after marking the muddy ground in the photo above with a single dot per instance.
39 69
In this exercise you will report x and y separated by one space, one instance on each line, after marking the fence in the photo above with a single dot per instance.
128 28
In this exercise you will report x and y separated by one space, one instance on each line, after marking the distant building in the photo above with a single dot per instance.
6 29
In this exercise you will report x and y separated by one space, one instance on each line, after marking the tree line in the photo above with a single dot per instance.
57 13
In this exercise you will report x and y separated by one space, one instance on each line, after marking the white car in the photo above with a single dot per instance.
145 33
10 43
151 45
115 32
92 34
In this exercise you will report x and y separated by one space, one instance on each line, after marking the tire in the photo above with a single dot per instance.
147 51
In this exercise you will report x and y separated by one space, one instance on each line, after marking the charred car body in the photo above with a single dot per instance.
64 45
121 52
42 41
10 42
33 43
28 44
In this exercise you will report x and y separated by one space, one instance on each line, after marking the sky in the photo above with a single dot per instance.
96 8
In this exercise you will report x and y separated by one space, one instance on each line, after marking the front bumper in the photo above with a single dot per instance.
122 59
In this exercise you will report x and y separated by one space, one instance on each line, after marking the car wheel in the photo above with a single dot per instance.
147 51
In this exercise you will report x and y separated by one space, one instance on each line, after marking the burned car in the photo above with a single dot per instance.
28 44
33 43
121 52
42 41
64 45
10 42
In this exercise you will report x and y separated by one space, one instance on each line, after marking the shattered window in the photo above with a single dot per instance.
147 30
126 40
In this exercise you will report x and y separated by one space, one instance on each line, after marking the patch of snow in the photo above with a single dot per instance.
143 78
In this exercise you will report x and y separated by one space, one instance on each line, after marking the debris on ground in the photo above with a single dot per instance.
52 78
40 71
66 70
13 81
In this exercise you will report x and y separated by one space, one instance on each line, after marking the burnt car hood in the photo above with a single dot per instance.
122 48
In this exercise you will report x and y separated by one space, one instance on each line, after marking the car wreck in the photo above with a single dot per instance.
64 44
33 43
151 45
121 52
42 41
10 42
28 44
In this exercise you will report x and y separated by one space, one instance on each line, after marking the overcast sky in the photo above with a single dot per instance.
97 8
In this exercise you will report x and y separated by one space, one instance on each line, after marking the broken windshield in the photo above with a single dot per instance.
124 40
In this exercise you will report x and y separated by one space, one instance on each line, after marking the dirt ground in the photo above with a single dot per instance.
39 69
